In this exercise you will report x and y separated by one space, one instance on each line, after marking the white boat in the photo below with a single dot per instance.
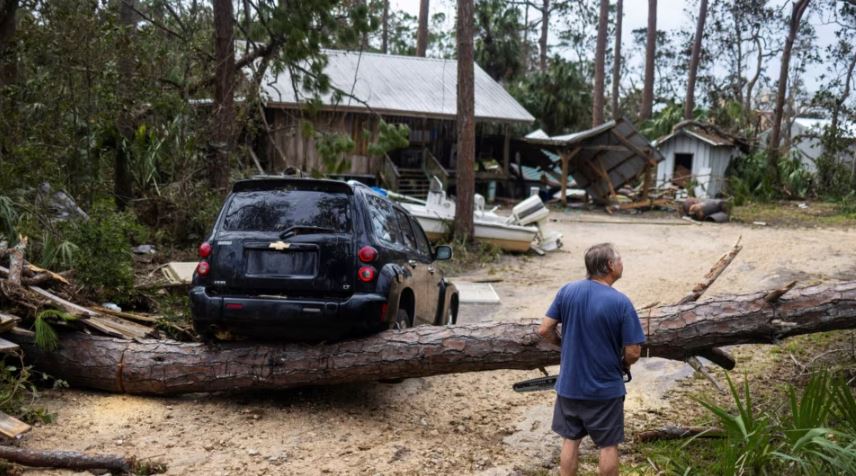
513 233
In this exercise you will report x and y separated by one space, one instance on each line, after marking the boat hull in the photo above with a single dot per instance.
506 237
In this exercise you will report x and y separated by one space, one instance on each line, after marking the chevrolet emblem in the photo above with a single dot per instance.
279 245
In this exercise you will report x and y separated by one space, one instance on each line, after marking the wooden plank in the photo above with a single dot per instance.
566 158
127 315
69 306
110 325
116 327
7 347
55 276
12 427
601 169
7 322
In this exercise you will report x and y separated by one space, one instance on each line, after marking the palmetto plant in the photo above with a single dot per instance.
816 436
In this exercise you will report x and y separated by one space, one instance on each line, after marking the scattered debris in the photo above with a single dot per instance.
11 427
59 204
476 293
179 272
759 223
714 209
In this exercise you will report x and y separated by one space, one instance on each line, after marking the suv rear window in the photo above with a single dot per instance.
278 210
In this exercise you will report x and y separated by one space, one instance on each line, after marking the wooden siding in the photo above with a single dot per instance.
287 146
709 163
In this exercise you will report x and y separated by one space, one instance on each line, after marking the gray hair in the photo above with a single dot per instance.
597 259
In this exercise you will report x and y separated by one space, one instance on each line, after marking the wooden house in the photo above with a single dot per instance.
367 88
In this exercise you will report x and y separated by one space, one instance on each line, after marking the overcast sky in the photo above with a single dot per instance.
671 15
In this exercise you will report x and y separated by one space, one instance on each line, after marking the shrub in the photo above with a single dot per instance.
103 260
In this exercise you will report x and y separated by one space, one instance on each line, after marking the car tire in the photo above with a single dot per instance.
402 320
205 333
451 317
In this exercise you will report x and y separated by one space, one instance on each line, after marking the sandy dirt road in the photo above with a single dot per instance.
452 424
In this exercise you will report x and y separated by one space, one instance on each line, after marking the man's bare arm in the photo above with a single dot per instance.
549 331
632 354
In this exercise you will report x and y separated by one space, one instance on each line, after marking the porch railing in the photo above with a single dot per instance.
389 175
432 168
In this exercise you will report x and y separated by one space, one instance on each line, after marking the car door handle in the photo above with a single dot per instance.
412 262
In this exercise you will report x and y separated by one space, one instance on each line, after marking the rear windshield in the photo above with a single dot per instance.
278 210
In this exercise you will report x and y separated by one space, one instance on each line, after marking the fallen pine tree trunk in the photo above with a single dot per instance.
166 367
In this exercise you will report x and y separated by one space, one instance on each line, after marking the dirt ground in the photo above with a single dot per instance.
453 424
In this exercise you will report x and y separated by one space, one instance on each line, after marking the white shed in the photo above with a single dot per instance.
695 156
806 144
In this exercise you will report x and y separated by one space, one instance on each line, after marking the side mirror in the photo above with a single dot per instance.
443 253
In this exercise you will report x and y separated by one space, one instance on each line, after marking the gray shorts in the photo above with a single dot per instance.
603 420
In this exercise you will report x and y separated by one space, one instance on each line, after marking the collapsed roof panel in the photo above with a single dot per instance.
604 158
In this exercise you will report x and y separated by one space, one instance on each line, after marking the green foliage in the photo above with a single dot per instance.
665 119
390 137
332 148
46 338
749 181
103 261
498 49
8 220
560 98
817 436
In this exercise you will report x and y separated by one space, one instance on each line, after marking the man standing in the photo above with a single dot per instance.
600 336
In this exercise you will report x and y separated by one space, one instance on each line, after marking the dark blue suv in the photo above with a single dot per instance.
310 260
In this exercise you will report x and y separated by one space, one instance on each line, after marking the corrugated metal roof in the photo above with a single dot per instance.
403 85
604 161
817 125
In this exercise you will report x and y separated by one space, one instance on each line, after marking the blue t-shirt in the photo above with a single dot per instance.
597 322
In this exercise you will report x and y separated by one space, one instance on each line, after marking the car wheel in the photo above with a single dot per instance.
451 314
402 320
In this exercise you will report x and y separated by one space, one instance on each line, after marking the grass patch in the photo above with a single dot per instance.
789 213
467 257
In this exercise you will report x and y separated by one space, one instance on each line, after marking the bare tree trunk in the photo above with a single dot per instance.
674 332
650 52
773 152
839 103
600 66
545 31
422 30
384 47
8 60
750 86
122 182
466 130
616 60
525 42
224 99
689 105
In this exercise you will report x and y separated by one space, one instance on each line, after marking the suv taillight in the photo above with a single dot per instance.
205 250
203 268
367 254
366 274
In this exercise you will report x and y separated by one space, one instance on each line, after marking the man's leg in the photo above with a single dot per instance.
570 457
608 464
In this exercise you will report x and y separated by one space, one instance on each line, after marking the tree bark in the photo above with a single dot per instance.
600 65
845 94
689 104
466 127
122 183
545 31
799 8
674 332
650 53
8 26
616 60
384 47
224 100
422 29
750 85
66 460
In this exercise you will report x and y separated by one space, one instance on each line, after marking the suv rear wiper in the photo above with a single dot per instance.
292 230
